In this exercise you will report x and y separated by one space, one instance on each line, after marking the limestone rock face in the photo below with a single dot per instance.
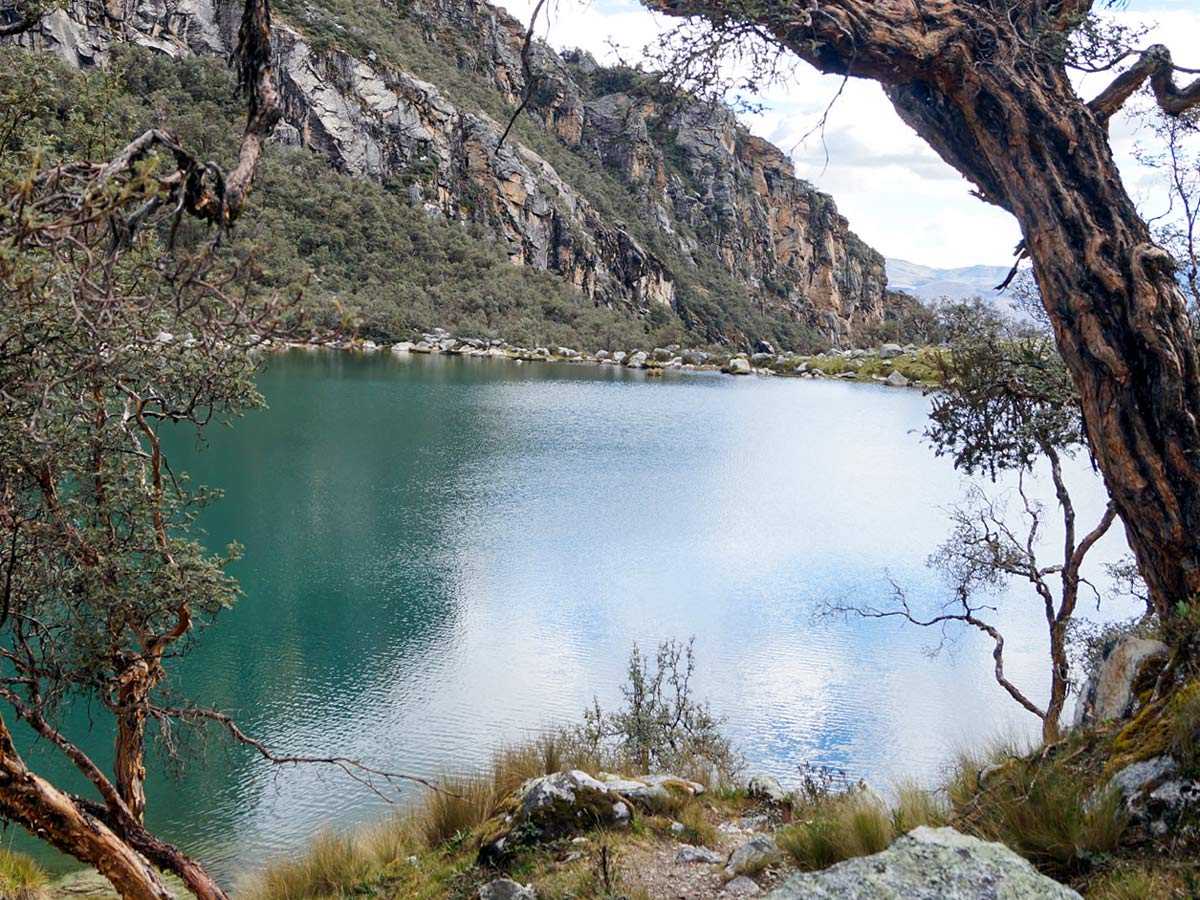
706 191
929 864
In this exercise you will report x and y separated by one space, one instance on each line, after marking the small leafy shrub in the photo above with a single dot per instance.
662 727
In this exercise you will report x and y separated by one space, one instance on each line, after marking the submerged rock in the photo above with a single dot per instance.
929 864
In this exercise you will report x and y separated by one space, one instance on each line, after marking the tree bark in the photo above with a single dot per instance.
52 816
1119 319
974 81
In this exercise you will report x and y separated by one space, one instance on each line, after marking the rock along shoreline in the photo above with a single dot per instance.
890 365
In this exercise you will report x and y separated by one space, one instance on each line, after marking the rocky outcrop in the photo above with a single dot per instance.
1127 667
549 807
929 864
700 190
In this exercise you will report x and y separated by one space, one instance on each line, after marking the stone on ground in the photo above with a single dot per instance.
753 856
689 854
506 889
929 864
766 787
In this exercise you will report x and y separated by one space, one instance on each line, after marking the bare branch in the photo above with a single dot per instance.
1156 65
527 72
355 769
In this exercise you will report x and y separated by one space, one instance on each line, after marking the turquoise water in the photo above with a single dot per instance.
443 554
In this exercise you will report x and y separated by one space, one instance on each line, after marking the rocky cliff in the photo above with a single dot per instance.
634 197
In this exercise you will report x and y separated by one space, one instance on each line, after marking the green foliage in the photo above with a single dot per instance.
1005 399
103 345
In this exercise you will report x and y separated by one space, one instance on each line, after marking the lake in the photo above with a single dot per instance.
443 554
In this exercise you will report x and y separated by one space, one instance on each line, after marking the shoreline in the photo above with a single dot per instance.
889 365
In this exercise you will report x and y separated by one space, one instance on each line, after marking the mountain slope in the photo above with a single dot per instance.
929 283
655 206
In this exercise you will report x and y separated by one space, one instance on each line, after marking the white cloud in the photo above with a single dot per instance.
896 192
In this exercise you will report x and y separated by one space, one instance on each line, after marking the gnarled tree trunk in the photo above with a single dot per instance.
1119 318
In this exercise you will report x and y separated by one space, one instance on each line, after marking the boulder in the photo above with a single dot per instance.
743 887
637 360
753 856
764 347
651 792
694 357
739 366
1170 808
1110 691
929 864
760 359
896 380
506 889
550 807
890 351
1133 780
661 354
766 787
689 854
618 357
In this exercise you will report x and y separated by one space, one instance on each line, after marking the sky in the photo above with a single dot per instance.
899 196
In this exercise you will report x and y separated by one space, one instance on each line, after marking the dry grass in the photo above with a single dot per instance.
334 866
20 877
460 804
1037 807
916 806
840 825
1138 884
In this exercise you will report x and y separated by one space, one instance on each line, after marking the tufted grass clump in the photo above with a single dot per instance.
20 877
1136 884
915 807
1039 808
837 827
333 866
458 805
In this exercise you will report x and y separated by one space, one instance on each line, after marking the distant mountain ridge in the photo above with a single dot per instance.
930 283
